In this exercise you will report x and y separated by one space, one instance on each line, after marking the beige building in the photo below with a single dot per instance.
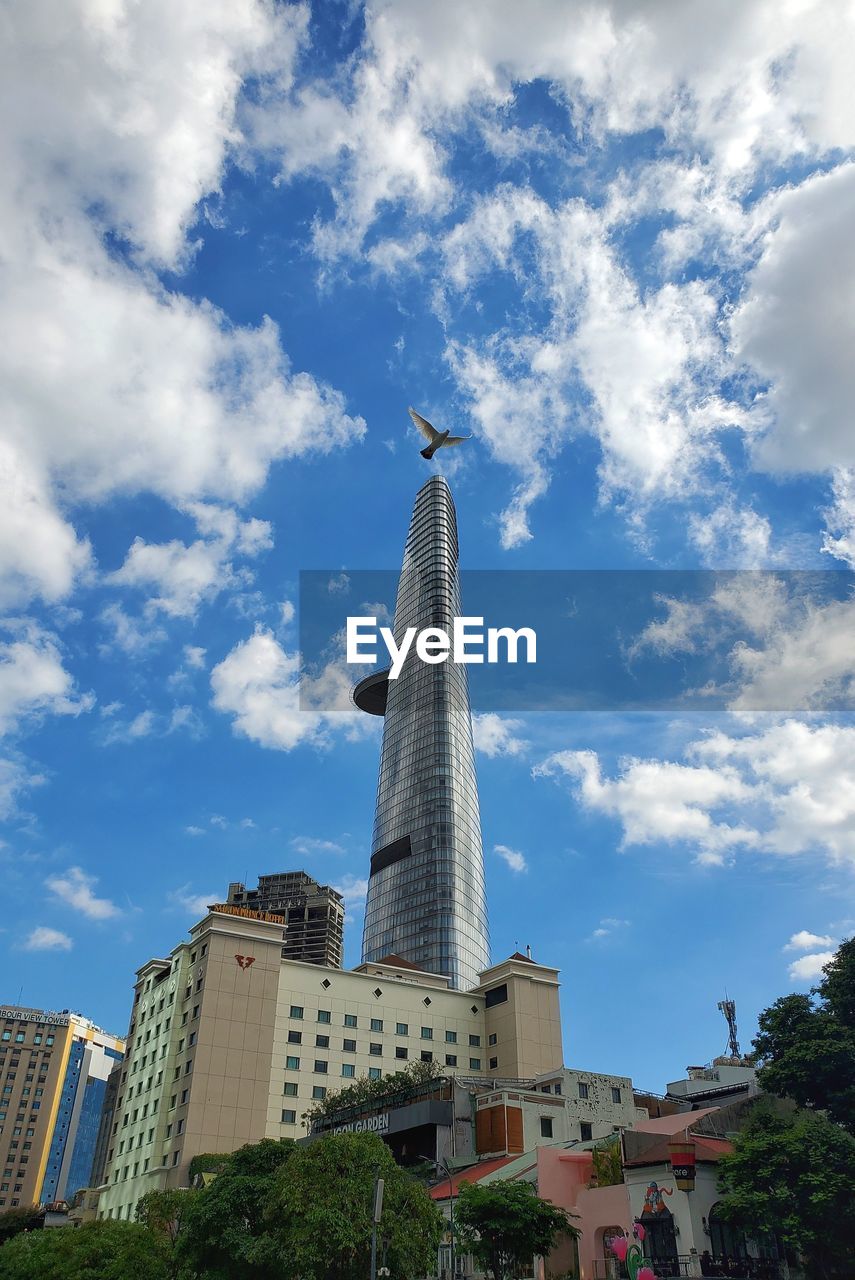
53 1072
229 1042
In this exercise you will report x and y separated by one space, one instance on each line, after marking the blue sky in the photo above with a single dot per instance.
612 241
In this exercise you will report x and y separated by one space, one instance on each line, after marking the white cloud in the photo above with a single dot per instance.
16 777
804 940
796 325
195 831
788 790
75 888
45 939
839 540
194 656
658 800
494 735
195 904
511 857
809 968
184 577
33 679
259 684
353 890
311 844
122 120
607 927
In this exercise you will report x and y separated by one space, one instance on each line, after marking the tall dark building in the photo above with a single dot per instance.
426 896
314 914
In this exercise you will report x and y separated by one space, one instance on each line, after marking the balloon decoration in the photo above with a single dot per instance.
631 1254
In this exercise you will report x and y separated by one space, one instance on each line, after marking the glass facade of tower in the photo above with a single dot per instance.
426 896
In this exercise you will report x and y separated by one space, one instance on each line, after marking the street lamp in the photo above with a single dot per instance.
439 1164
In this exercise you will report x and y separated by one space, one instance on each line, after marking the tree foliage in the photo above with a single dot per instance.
13 1221
504 1224
224 1230
365 1090
321 1210
164 1212
806 1046
794 1176
106 1250
607 1167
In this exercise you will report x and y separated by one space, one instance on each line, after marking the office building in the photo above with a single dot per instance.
53 1076
426 896
230 1042
314 914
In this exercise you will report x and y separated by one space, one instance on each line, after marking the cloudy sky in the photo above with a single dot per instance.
612 240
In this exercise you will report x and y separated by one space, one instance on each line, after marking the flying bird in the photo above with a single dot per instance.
436 439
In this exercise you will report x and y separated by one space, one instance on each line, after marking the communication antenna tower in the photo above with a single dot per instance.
728 1008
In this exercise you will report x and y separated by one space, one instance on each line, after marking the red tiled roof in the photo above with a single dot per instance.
474 1173
397 962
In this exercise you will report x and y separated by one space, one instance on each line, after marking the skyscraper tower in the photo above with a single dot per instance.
426 899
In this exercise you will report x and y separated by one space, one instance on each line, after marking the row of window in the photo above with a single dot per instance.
20 1036
348 1070
376 1024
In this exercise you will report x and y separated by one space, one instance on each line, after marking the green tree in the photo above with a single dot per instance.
106 1250
321 1209
164 1212
794 1175
505 1224
13 1221
224 1229
805 1047
607 1167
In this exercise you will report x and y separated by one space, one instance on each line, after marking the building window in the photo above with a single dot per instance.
348 1070
321 1067
451 1037
348 1046
586 1131
375 1050
296 1011
322 1042
498 995
185 1093
556 1088
474 1042
290 1090
289 1117
188 1066
350 1019
295 1037
451 1059
400 1053
474 1064
319 1092
427 1056
176 1156
292 1063
192 1040
374 1073
493 1039
324 1015
427 1033
546 1088
376 1024
545 1127
402 1029
616 1095
583 1089
494 1062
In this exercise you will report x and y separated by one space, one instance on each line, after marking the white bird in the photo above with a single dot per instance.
437 439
